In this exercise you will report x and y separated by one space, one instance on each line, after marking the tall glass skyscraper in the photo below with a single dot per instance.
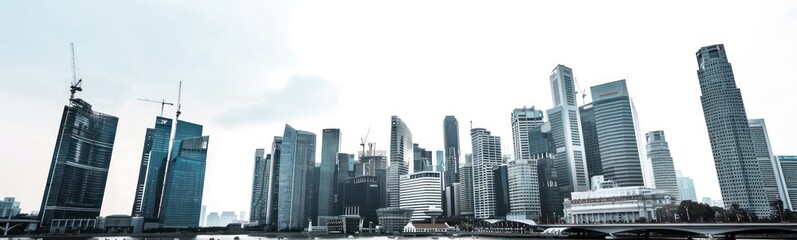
663 169
615 134
79 169
466 187
686 187
486 155
330 147
451 148
272 199
766 160
185 177
524 119
729 132
542 150
259 205
422 158
152 171
401 154
571 165
296 160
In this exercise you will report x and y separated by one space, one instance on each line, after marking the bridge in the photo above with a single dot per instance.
8 224
708 229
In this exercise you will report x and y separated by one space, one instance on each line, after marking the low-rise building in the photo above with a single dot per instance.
393 219
9 207
607 204
427 228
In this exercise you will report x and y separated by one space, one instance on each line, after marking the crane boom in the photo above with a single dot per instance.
162 102
75 86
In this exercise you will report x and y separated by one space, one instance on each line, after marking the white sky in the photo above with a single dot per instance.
353 64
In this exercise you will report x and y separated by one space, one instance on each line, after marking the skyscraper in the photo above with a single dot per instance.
342 173
524 119
401 154
185 177
364 194
149 189
486 155
661 160
440 161
524 189
259 202
466 187
571 166
203 215
422 159
79 168
330 146
686 187
501 181
613 128
788 170
766 160
551 199
272 198
297 158
451 148
729 132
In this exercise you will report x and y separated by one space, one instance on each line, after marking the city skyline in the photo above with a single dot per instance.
113 90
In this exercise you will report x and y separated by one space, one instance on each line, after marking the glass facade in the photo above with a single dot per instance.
451 148
273 182
185 177
401 153
151 173
297 158
364 193
330 147
79 169
258 205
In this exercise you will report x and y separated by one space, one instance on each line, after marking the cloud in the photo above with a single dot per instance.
302 96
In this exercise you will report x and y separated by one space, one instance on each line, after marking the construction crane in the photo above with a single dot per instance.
583 92
364 139
162 102
75 86
179 97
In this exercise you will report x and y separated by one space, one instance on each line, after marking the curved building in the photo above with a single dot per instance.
297 160
401 153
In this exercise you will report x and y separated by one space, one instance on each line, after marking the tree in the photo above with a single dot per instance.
779 213
690 211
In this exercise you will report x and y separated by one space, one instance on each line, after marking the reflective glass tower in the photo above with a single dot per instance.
272 198
152 171
258 206
297 157
451 149
79 169
330 147
185 177
729 132
609 125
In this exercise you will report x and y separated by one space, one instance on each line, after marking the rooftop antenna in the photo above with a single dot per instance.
75 86
179 97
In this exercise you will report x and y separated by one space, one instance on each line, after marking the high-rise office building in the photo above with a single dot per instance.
185 177
541 149
259 202
501 181
330 147
363 193
342 173
272 195
524 119
311 192
422 159
151 173
213 220
79 168
401 154
571 164
227 217
686 187
452 199
661 161
766 160
788 171
421 192
729 132
297 158
466 187
440 162
486 155
451 148
524 189
609 125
